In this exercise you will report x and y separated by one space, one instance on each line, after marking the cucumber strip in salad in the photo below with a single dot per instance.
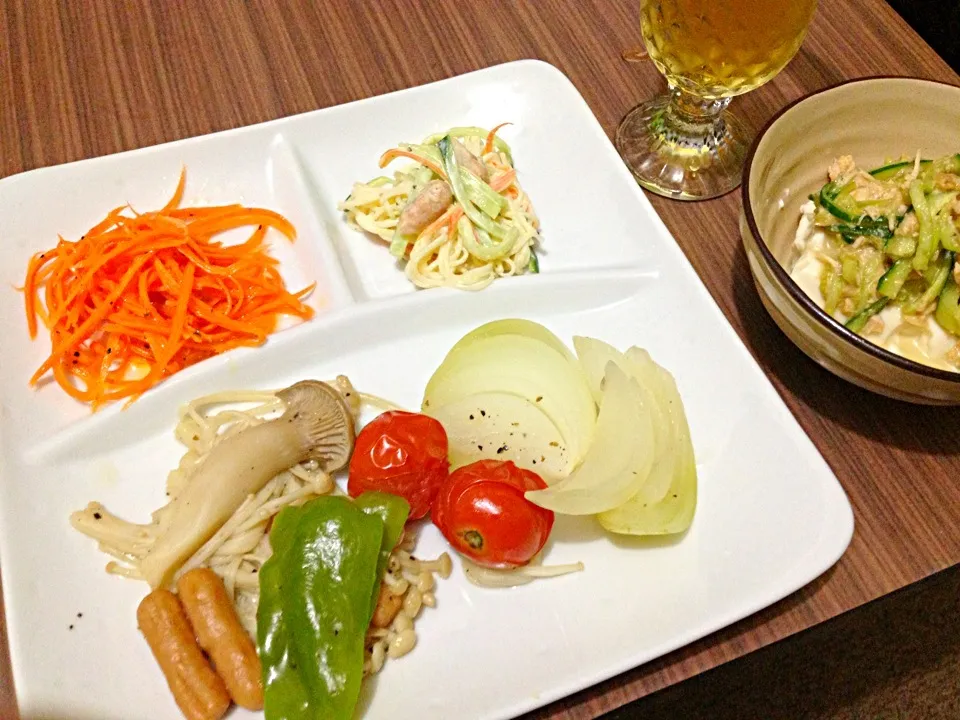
893 235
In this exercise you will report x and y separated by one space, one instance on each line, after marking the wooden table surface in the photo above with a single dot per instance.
89 78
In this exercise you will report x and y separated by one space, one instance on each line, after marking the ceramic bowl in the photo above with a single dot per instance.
871 119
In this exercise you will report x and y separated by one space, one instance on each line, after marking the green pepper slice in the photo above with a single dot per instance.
314 608
393 510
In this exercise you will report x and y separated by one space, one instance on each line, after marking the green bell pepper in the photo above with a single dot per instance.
393 510
315 608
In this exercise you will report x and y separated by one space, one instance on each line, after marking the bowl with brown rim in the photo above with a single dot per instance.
871 119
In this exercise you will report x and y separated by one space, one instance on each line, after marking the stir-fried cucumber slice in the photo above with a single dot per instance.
927 240
948 308
936 278
948 234
945 165
831 285
895 169
893 279
858 321
849 233
839 201
900 246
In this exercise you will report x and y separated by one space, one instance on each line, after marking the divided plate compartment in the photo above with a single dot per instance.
771 516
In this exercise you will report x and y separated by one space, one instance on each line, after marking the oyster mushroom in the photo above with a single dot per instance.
316 425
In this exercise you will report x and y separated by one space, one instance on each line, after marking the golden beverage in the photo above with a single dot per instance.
722 48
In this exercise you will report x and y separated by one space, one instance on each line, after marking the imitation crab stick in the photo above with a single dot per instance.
141 296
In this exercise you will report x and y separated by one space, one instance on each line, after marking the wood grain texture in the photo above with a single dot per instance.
89 78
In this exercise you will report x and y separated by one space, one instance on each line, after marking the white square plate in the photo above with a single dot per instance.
771 515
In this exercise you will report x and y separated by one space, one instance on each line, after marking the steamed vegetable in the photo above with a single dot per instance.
674 511
482 512
511 390
402 453
506 427
619 460
315 608
527 368
394 512
316 425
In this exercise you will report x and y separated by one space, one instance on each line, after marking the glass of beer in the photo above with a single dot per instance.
687 145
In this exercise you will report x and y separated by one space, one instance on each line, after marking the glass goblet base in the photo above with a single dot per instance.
684 147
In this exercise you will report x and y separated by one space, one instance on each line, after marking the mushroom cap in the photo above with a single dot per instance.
324 421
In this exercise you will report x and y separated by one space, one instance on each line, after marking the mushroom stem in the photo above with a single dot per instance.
316 425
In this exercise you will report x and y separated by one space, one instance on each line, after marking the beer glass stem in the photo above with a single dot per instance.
694 119
684 146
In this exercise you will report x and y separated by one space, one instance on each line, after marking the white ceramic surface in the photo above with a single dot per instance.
771 515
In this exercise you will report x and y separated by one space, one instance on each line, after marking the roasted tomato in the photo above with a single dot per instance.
483 514
401 453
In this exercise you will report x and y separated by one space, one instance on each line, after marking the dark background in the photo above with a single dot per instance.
937 21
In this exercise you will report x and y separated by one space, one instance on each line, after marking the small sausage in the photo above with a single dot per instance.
198 690
388 605
220 633
426 207
470 161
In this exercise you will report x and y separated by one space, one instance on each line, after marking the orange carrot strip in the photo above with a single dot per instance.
502 182
178 193
391 155
154 291
488 145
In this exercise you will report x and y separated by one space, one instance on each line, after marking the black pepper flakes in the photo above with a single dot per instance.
539 398
480 448
483 413
70 628
471 417
97 516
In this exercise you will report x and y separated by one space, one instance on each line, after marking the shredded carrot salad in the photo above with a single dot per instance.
141 296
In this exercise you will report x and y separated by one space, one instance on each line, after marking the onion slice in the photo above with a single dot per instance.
498 426
528 368
619 460
674 512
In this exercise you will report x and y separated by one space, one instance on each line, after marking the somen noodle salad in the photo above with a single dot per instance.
457 217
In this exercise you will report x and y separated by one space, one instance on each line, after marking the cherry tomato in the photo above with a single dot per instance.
402 453
483 514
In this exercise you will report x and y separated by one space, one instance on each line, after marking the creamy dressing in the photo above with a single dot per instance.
928 344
